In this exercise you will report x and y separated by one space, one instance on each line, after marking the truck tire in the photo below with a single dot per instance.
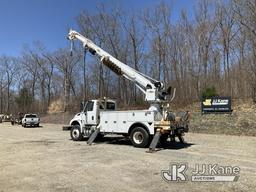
75 133
139 137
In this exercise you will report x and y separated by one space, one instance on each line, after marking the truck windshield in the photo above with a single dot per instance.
88 106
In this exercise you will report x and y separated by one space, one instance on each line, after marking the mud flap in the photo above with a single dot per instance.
93 136
153 144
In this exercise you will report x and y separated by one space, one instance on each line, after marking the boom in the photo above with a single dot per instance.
150 87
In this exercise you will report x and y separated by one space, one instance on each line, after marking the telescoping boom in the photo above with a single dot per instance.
153 89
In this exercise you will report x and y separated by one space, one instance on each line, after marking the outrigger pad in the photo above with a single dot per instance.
66 127
181 139
153 144
93 136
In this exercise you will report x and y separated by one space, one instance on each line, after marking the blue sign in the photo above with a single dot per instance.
216 104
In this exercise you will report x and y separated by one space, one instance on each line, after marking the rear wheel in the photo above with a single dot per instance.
139 137
75 133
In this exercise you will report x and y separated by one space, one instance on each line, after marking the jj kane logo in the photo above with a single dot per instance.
176 172
204 173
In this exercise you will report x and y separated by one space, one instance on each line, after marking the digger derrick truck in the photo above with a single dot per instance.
144 127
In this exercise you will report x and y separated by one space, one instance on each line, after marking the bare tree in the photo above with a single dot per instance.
245 16
136 38
10 68
226 20
66 65
30 65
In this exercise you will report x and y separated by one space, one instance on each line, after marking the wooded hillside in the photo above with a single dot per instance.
214 46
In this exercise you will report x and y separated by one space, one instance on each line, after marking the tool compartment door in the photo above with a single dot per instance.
121 121
113 122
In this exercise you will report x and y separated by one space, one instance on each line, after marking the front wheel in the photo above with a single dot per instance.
139 137
75 133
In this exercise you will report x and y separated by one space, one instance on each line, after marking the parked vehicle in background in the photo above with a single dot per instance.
5 117
1 117
17 119
30 120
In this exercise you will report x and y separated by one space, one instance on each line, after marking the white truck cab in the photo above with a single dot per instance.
90 112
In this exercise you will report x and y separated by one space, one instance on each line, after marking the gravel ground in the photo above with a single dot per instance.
45 159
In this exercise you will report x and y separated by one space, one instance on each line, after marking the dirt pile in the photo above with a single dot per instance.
55 107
